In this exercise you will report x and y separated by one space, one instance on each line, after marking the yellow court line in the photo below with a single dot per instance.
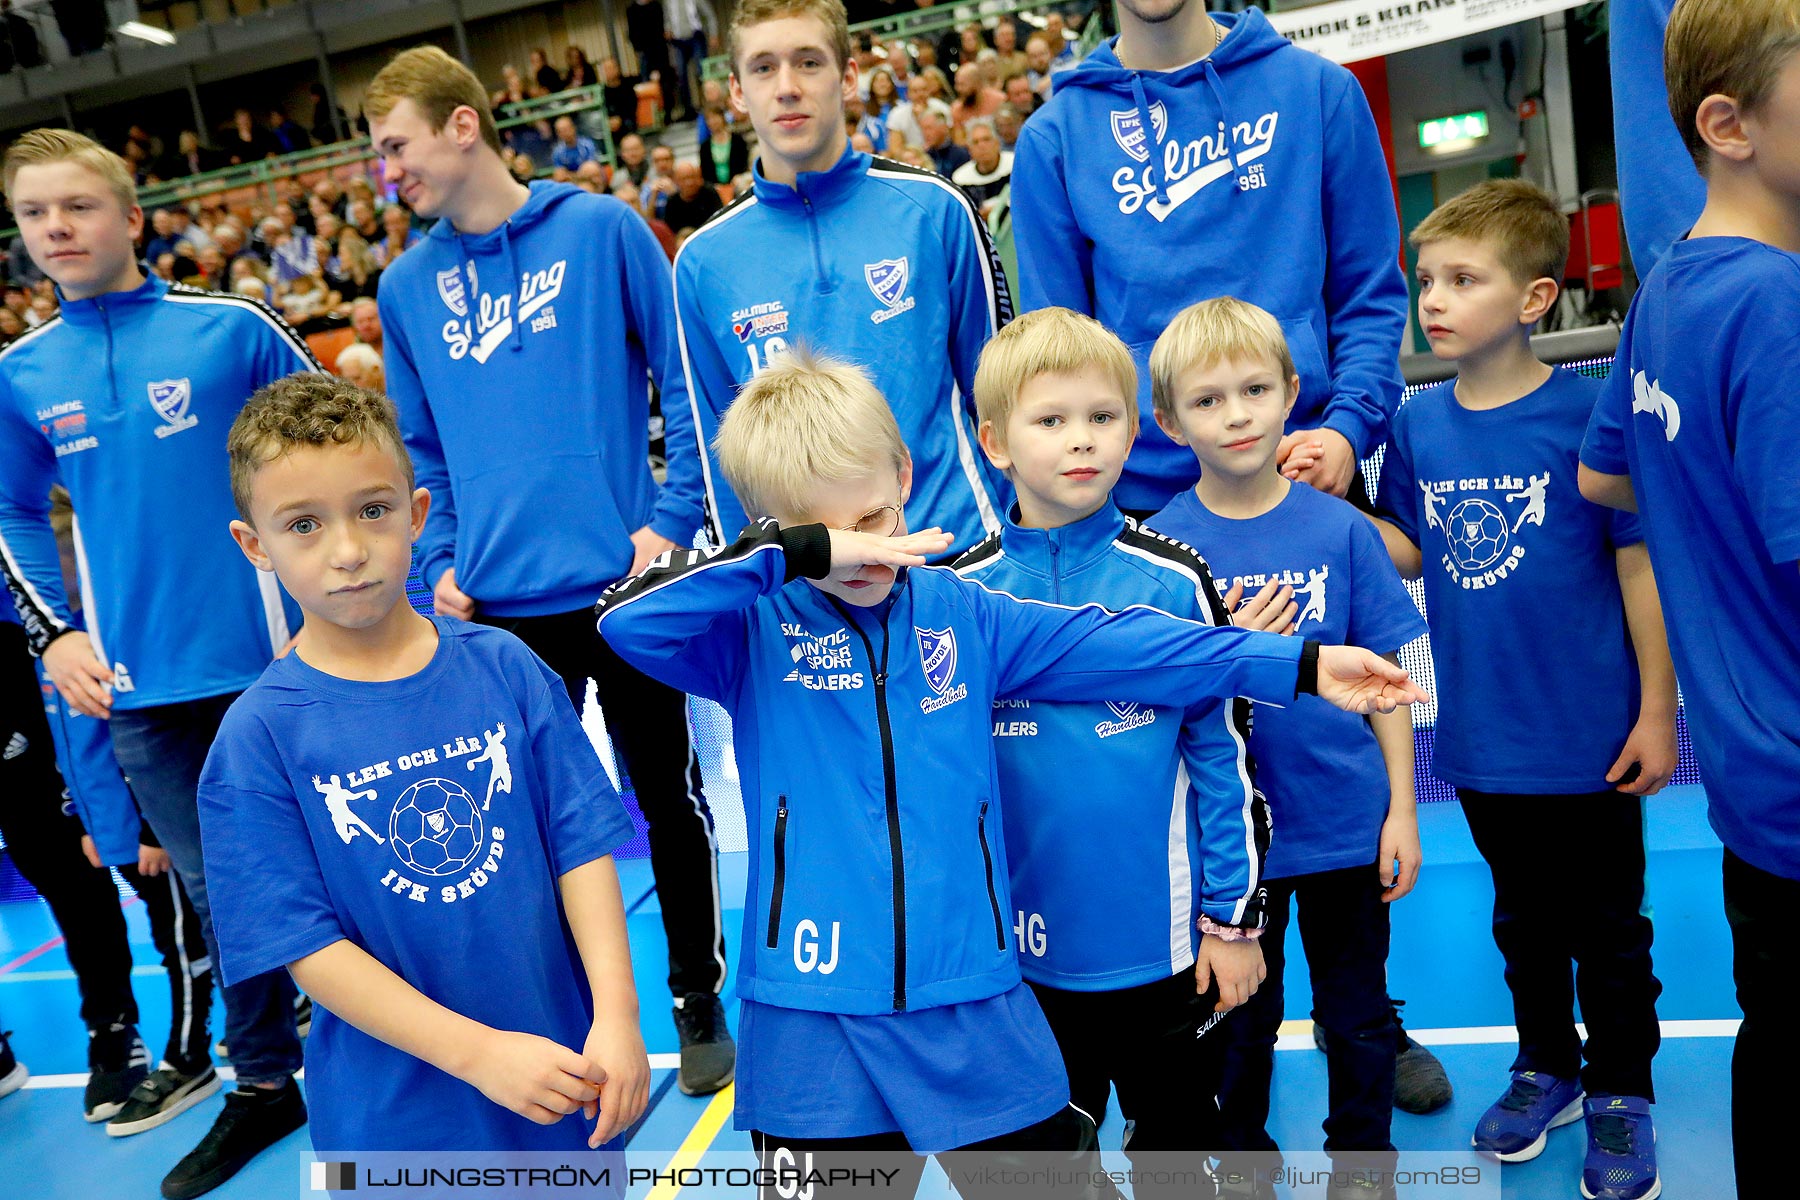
698 1141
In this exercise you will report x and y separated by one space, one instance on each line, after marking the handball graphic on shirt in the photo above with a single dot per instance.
1481 519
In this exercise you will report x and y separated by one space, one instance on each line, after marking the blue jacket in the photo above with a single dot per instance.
1256 173
125 399
1659 187
882 264
1180 818
92 782
533 433
878 868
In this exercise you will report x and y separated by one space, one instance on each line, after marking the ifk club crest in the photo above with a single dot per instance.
450 289
1128 129
937 658
1130 714
887 279
170 399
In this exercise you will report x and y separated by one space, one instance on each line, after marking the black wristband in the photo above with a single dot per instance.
808 551
1308 682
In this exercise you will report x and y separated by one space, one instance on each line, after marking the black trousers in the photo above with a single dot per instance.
1764 913
1066 1145
1344 928
1162 1048
648 724
1569 889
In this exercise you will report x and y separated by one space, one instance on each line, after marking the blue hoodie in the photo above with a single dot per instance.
533 433
1660 189
872 261
1256 173
878 867
1162 793
125 399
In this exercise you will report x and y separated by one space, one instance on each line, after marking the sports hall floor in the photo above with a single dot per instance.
1443 963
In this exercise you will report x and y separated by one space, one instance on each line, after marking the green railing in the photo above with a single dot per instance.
923 21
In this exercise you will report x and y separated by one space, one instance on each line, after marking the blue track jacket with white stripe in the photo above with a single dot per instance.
885 265
125 399
1160 794
878 868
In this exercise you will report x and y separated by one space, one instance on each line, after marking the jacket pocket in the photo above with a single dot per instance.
987 862
781 818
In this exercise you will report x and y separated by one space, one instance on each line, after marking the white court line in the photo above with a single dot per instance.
1497 1035
52 976
658 1062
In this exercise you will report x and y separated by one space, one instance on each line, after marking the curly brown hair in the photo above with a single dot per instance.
308 409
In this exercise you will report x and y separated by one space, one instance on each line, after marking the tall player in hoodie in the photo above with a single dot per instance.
1196 156
520 338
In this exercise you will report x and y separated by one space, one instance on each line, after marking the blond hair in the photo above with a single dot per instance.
41 146
437 85
1223 329
308 409
1732 48
1520 221
755 12
805 421
1048 341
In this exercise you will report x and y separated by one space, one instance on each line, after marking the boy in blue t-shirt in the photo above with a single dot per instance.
462 935
883 1007
1132 988
1481 481
1696 432
1341 789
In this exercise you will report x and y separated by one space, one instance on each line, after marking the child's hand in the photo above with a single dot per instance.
1361 682
1299 452
1236 966
533 1076
618 1049
1272 610
1651 748
851 550
1399 842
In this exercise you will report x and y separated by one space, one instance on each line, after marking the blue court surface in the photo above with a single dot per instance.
1443 964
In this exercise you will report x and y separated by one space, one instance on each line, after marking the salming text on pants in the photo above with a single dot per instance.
1764 912
1569 889
1162 1047
648 724
1344 929
162 750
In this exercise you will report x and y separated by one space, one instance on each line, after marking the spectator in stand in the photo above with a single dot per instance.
645 30
365 319
288 133
661 184
973 100
1038 59
627 191
306 301
1020 95
714 95
165 266
361 365
591 177
1062 50
896 114
945 154
247 141
12 325
572 147
359 188
135 160
162 235
632 161
42 309
693 201
292 250
511 90
327 189
190 157
1007 123
969 45
725 155
17 300
1006 48
581 72
209 270
933 84
989 168
621 97
357 275
546 75
691 25
251 286
326 228
324 131
182 222
523 168
858 119
397 233
362 219
229 236
900 68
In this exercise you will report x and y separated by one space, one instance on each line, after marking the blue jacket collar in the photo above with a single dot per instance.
819 188
1070 546
90 311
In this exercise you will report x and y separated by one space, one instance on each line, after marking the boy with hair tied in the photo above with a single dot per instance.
1696 430
882 1002
1479 489
1341 789
1133 989
468 957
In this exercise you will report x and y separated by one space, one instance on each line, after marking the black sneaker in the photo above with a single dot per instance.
302 1025
1420 1084
708 1055
118 1061
163 1095
253 1120
12 1072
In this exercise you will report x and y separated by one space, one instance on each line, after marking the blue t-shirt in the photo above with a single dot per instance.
1701 415
1536 681
1320 767
426 820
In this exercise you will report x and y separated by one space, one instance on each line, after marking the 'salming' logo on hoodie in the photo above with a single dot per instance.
1187 167
493 317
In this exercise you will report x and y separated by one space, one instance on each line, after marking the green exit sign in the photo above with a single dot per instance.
1460 130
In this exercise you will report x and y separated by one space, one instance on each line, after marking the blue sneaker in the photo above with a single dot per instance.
1515 1127
1621 1152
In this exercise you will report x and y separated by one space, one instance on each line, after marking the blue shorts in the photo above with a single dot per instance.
944 1077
